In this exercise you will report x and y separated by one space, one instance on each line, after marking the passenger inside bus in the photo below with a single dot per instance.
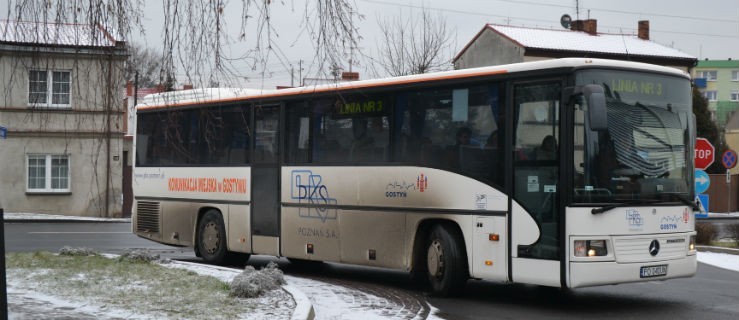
492 141
463 139
548 149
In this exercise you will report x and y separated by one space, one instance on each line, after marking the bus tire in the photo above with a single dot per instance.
446 262
237 259
212 238
306 264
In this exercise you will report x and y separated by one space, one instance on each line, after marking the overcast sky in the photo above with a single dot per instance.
704 29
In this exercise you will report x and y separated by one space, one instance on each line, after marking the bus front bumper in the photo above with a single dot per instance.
586 274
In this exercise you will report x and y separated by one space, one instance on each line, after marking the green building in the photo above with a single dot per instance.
718 80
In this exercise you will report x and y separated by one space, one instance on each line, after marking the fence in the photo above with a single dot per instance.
722 196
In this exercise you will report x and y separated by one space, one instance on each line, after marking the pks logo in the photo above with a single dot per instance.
308 188
422 182
634 218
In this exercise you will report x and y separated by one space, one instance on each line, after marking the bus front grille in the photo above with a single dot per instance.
147 216
636 249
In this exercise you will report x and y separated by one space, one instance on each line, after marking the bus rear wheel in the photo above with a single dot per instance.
212 238
445 262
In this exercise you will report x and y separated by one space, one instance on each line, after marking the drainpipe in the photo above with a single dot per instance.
107 135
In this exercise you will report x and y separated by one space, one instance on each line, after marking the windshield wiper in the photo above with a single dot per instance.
684 199
681 197
621 204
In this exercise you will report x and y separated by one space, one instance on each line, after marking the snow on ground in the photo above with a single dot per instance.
25 302
329 301
721 260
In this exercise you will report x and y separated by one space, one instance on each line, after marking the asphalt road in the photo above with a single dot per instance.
109 237
712 294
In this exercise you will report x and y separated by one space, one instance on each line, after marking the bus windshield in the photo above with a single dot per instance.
644 153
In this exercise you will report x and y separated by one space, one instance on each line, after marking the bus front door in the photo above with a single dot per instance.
535 211
265 171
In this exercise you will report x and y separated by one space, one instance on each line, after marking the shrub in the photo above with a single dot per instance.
76 252
136 255
706 233
734 232
252 283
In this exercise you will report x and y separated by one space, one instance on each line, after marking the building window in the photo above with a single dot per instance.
47 88
47 173
710 75
710 95
735 96
734 75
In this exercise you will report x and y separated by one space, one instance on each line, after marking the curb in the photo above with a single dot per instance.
715 249
10 217
62 221
303 307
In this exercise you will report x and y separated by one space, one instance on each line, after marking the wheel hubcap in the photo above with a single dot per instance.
435 259
210 238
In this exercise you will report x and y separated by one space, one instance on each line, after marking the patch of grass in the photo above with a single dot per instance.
725 244
128 284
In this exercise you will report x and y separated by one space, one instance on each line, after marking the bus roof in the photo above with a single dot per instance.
215 95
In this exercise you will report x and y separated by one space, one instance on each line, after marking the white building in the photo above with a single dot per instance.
499 44
62 106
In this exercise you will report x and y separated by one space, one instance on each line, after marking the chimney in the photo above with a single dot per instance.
350 76
589 26
643 30
129 89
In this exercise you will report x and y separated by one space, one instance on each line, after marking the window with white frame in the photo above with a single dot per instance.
47 173
710 75
49 88
734 75
710 95
735 96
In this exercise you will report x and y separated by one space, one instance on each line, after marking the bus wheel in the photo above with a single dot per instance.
445 262
306 264
212 237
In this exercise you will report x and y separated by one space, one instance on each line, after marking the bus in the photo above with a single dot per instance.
564 173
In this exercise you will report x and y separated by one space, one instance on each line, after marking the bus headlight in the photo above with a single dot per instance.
691 245
590 248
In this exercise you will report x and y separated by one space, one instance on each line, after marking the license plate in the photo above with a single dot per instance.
653 271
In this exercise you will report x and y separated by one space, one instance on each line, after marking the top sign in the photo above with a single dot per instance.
704 153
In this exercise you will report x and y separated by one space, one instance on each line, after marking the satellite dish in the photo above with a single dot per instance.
565 21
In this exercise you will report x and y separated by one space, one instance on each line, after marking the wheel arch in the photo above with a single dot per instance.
419 241
201 213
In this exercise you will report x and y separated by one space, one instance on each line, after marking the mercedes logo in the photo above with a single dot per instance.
654 248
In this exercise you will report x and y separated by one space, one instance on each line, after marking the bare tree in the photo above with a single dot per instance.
196 38
198 31
197 34
144 62
418 45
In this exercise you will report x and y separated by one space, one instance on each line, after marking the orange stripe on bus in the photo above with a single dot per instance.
328 89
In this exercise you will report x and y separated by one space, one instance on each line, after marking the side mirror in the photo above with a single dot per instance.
596 98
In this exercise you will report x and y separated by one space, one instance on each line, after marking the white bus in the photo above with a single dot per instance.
565 173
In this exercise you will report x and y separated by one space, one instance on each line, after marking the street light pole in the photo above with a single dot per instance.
3 283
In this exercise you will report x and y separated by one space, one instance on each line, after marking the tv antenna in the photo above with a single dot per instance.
565 21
